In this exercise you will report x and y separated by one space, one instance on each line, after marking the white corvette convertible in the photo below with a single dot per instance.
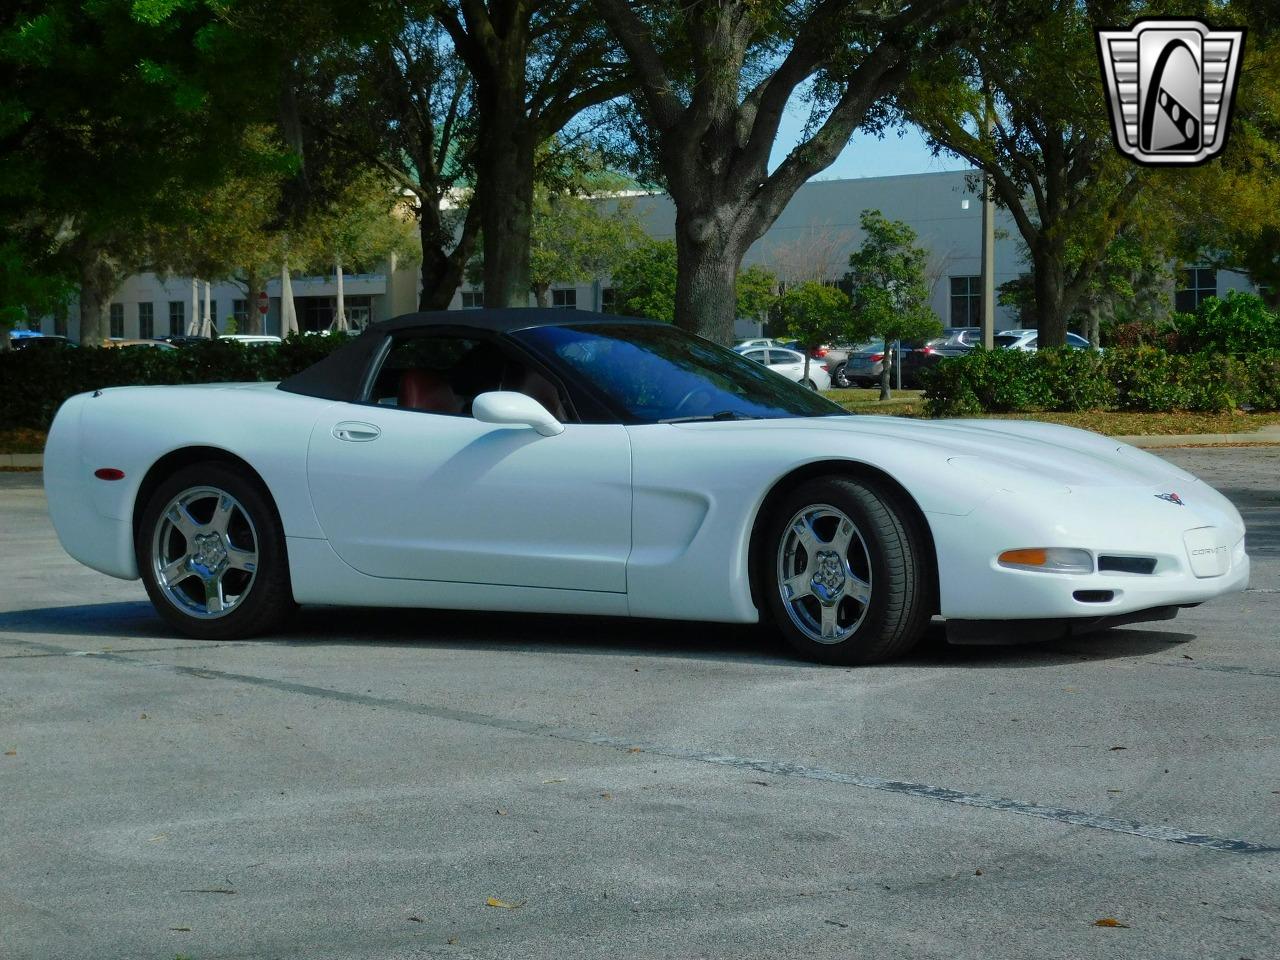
546 461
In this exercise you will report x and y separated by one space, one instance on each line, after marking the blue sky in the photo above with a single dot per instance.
867 155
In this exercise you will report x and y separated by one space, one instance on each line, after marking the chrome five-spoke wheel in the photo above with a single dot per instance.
205 552
824 573
847 573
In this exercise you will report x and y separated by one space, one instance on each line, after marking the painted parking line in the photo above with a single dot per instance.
779 768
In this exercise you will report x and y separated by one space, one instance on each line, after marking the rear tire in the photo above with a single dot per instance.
846 572
211 553
811 385
840 377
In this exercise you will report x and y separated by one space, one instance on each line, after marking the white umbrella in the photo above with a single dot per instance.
193 321
288 312
206 327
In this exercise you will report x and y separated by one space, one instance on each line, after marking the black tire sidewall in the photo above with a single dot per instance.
270 597
868 643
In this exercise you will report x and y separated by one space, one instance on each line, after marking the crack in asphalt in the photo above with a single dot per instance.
762 765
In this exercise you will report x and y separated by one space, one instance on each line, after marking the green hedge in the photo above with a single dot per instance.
1145 379
35 381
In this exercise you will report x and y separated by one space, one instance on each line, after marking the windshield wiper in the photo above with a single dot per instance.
722 415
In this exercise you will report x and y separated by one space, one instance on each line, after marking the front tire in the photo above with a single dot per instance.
211 552
845 572
840 377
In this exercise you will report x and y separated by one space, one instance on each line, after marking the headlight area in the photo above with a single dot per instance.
1048 560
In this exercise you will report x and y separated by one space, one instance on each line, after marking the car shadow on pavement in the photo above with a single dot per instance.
122 623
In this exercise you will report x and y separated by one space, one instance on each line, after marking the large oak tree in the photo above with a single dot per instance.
713 79
536 65
1027 106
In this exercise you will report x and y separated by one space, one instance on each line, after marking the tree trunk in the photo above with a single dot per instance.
442 273
97 282
540 291
706 295
1050 294
504 190
193 322
886 371
253 320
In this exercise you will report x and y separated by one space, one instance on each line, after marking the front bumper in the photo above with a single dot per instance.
1124 522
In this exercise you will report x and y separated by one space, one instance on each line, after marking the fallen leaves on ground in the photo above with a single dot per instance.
503 904
1110 922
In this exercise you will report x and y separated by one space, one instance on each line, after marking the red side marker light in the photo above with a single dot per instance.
108 473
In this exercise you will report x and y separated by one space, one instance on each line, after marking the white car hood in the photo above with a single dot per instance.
990 448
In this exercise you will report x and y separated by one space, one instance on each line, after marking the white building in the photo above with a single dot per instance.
811 239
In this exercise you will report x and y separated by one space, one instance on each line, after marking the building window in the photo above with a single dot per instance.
315 313
240 310
1194 286
565 299
213 316
472 299
609 299
117 321
359 311
966 301
146 321
177 318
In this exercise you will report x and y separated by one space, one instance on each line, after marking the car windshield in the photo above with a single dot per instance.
652 373
1005 340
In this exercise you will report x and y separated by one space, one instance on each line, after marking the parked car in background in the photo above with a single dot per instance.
954 342
123 344
741 345
182 340
251 339
863 365
38 341
1026 340
790 363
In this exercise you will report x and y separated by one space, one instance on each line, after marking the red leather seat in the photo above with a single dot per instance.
533 384
429 391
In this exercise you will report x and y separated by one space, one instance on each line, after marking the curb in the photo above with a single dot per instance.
1266 437
21 460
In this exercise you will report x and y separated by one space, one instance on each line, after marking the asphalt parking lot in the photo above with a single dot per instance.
419 784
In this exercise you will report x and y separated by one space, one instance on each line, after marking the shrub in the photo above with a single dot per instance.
1261 374
1144 379
1075 379
1236 323
997 381
34 382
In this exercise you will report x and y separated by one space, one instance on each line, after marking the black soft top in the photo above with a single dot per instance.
340 375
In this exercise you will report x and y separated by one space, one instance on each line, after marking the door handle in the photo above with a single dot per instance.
356 432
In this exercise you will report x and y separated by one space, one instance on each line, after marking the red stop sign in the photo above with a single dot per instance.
262 302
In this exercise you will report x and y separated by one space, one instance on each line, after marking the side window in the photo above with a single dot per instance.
444 374
759 356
